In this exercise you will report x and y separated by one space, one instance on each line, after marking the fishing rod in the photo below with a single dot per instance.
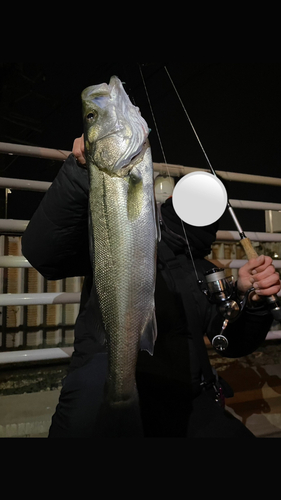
273 302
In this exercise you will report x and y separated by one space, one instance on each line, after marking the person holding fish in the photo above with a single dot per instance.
125 379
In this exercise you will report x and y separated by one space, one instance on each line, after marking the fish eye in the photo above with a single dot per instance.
91 116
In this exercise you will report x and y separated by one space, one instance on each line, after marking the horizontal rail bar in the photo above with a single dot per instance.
274 336
39 355
177 170
13 226
237 264
7 358
39 299
256 205
17 226
42 187
33 152
258 237
39 186
9 262
24 185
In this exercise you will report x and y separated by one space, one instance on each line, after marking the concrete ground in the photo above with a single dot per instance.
28 398
255 379
27 415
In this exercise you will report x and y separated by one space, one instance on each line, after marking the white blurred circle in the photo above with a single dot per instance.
200 199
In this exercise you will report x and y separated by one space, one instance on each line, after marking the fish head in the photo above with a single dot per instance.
115 131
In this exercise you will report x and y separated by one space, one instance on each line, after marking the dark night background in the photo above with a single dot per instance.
235 109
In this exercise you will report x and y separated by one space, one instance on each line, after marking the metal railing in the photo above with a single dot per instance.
175 170
38 299
12 227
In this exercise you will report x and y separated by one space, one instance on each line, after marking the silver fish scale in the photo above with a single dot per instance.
125 239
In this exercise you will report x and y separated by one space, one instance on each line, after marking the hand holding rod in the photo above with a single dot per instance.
272 301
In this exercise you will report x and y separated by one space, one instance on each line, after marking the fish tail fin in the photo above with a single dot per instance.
120 420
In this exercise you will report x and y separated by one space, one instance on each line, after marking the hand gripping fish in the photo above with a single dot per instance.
124 237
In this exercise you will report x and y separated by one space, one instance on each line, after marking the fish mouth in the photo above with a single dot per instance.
133 159
125 163
123 166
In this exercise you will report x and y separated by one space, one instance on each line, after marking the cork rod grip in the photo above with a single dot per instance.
249 249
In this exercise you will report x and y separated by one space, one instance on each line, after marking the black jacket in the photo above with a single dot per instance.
56 243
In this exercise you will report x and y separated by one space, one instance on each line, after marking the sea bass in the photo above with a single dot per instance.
124 234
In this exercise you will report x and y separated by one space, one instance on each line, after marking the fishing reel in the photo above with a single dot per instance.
222 292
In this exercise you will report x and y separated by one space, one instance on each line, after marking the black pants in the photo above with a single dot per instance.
168 411
80 400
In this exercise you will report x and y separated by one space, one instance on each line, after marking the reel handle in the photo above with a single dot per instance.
272 301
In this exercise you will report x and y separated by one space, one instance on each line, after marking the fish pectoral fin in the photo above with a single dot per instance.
149 336
135 195
158 224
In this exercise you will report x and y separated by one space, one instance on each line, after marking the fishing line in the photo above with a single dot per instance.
241 232
167 167
229 207
154 119
190 253
129 91
186 113
190 121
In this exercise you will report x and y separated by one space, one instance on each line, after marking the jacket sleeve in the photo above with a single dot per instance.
56 241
